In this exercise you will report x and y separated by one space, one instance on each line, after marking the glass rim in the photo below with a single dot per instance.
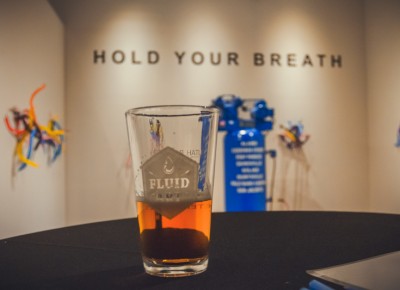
151 111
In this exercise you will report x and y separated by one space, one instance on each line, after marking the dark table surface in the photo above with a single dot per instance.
259 250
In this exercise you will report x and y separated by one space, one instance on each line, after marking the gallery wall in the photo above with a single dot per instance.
349 163
123 54
383 67
31 53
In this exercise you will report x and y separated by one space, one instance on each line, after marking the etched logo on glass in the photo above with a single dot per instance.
170 182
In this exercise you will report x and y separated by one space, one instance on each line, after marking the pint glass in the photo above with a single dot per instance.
173 156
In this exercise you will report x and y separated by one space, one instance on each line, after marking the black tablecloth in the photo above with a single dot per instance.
259 250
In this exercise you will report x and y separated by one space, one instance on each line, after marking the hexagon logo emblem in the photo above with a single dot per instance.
170 181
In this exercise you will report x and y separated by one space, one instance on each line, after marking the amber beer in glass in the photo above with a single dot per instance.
173 158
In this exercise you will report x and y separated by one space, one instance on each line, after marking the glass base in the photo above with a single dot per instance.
175 268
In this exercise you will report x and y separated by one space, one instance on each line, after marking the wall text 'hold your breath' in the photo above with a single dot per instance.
198 58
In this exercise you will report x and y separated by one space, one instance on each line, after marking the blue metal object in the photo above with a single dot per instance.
244 145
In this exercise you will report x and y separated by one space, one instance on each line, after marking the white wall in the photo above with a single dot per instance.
383 62
31 53
331 172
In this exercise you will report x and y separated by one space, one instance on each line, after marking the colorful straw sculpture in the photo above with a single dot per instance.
30 135
293 136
